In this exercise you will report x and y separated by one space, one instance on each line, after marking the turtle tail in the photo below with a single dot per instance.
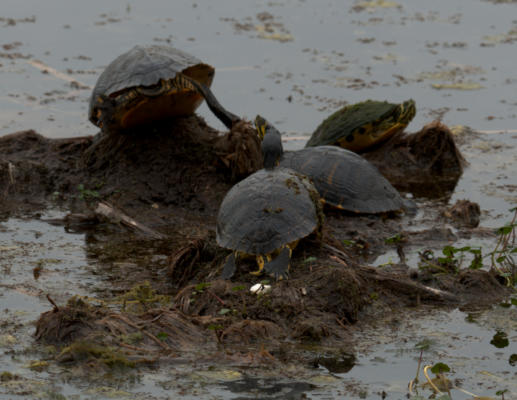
225 116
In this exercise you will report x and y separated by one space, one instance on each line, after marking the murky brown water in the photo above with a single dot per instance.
294 62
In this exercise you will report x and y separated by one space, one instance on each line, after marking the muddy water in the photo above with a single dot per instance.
294 65
290 60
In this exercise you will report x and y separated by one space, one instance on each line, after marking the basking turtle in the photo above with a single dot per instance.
267 213
360 126
344 179
149 83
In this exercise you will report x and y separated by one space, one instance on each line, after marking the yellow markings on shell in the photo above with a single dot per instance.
330 176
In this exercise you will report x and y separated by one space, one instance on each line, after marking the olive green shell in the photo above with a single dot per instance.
267 210
344 179
144 66
350 123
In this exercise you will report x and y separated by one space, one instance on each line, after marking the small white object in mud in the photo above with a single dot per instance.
259 288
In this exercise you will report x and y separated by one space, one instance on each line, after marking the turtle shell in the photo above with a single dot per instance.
344 179
143 85
360 126
267 210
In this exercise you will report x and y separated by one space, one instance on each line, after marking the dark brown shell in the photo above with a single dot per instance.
344 179
267 210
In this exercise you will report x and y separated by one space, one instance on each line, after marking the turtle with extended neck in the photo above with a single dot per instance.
266 214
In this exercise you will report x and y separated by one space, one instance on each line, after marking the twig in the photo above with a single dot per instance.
339 260
415 287
56 308
334 250
216 297
10 169
110 212
60 75
128 346
341 323
419 365
430 381
150 335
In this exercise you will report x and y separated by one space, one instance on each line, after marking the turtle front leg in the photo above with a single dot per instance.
260 263
279 267
229 267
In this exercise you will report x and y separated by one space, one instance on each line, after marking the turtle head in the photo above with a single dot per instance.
261 126
406 112
272 148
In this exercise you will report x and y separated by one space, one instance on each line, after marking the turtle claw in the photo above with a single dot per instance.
229 267
279 267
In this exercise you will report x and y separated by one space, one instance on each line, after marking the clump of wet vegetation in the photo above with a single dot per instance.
499 261
430 155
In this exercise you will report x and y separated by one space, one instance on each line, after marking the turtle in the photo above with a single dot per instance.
266 214
150 83
360 126
344 179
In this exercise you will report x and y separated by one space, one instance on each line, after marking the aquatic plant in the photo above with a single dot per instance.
501 256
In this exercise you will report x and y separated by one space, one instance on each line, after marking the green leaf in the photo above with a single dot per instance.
348 242
393 239
424 344
238 288
162 336
500 259
214 327
440 368
224 311
500 340
448 251
201 286
462 249
513 360
476 263
309 260
504 230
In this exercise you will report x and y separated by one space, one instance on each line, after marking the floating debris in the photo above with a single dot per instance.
458 86
373 5
268 28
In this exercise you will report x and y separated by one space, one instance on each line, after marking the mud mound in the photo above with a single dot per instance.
476 288
34 168
85 332
182 163
427 163
167 183
65 324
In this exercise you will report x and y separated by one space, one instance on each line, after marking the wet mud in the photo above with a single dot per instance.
166 299
427 163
